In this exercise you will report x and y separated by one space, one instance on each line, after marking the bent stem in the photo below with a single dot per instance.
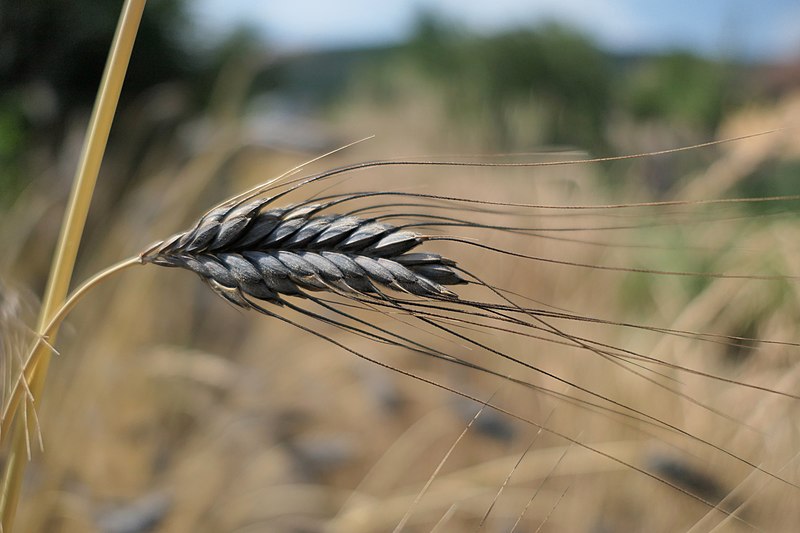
69 239
42 346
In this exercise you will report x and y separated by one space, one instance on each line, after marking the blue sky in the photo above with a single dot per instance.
749 28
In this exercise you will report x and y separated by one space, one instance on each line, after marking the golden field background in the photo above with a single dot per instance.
167 410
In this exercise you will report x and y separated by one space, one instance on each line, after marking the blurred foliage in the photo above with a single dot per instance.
552 85
680 87
552 70
64 44
773 178
52 55
515 91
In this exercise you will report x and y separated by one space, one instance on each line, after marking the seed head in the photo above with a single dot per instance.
247 251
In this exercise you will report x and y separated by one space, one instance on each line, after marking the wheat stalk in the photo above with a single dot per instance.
69 240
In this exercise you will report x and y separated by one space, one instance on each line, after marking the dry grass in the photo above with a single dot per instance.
170 408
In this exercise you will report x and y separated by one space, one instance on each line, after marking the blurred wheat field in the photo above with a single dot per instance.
169 411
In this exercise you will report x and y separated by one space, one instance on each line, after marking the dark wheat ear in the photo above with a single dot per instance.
246 251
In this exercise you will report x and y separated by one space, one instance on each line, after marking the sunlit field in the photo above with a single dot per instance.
623 358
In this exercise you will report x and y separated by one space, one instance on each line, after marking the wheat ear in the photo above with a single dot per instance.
245 252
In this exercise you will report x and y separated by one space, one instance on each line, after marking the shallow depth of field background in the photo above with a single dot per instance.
169 411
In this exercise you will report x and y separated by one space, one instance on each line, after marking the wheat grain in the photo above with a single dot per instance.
244 251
